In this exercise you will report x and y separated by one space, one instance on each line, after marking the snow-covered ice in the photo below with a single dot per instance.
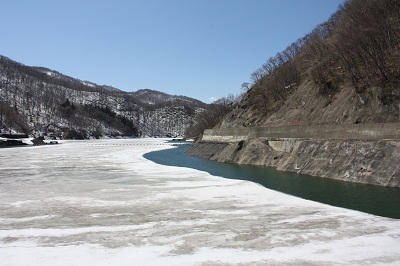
101 203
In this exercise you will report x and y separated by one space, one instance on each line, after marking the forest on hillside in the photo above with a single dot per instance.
41 102
359 43
357 48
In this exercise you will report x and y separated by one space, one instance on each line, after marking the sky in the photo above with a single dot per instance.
203 49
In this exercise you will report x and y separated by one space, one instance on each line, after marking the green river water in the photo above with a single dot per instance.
372 199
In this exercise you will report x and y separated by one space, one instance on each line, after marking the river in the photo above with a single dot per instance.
371 199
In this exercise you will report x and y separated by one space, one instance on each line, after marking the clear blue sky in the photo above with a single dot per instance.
198 48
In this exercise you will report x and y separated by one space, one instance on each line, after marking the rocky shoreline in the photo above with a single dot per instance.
372 160
23 142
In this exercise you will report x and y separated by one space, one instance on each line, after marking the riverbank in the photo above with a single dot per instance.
368 154
101 202
24 142
349 195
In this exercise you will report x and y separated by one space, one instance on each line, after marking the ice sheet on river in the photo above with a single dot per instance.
101 203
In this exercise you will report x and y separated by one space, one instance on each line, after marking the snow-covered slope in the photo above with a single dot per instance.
40 101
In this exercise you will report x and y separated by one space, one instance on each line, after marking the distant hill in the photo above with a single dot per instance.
153 97
42 102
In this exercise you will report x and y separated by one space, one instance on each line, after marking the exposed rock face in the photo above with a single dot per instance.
330 78
333 137
370 160
306 106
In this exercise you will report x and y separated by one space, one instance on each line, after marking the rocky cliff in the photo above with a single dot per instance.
311 134
307 106
322 106
368 153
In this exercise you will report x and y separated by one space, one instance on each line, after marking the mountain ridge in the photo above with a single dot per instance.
41 101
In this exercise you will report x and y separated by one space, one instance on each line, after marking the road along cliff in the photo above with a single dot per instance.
363 153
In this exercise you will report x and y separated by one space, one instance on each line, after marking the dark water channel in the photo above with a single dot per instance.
366 198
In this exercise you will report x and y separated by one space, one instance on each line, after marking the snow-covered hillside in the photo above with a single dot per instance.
43 102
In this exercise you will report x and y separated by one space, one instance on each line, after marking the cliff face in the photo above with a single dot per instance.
367 154
306 106
314 107
367 162
314 134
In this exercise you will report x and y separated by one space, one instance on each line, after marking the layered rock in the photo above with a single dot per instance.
368 153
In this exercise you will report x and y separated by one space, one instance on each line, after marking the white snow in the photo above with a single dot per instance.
101 203
88 83
27 141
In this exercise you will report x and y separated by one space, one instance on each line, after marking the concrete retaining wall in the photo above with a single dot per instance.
340 132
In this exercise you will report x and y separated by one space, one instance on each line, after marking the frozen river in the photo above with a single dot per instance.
101 203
